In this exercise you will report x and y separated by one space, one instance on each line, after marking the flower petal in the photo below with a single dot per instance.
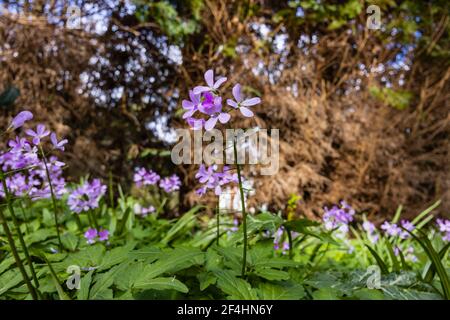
237 92
188 114
186 104
219 82
246 112
232 103
200 89
209 78
251 102
210 123
224 117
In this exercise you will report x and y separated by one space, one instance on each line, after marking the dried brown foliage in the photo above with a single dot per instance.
337 140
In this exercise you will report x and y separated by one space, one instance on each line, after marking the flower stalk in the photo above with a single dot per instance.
244 212
52 193
12 245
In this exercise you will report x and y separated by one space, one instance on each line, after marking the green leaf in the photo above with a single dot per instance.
416 220
175 260
161 284
62 295
429 271
369 294
326 294
69 241
235 288
206 279
183 223
116 256
395 263
149 254
426 245
9 279
85 284
378 259
125 279
271 274
104 281
268 291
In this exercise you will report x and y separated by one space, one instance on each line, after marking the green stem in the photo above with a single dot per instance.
78 222
94 219
244 213
55 207
289 234
25 216
11 243
218 224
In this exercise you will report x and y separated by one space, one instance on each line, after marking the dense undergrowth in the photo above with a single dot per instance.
154 258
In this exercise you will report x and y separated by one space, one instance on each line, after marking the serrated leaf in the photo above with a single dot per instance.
206 279
235 288
104 281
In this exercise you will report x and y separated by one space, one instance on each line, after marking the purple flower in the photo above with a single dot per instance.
212 86
86 196
207 176
18 144
370 229
145 177
446 237
212 179
192 105
212 106
58 145
338 216
90 235
444 225
170 184
37 135
195 124
103 235
143 212
391 229
242 104
408 226
19 120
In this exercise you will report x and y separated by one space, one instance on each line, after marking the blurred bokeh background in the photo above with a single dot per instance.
363 113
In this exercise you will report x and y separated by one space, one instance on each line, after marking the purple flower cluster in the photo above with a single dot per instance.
142 211
92 234
144 177
213 179
338 217
284 248
28 175
444 227
393 230
86 196
207 101
371 231
170 184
